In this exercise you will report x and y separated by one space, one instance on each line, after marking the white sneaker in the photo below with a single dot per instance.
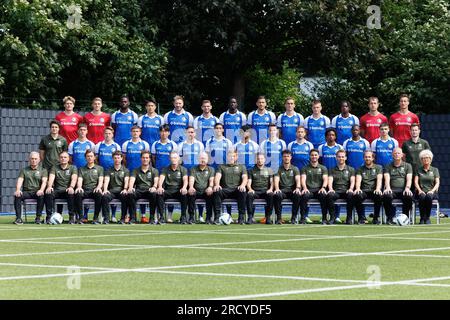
337 220
308 220
113 219
201 220
169 221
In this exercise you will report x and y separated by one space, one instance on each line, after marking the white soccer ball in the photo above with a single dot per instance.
402 220
225 219
56 218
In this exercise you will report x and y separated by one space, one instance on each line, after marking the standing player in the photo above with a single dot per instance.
178 120
316 124
355 147
132 149
246 148
260 119
232 121
371 121
204 124
300 149
77 152
51 146
217 148
401 121
162 148
327 151
412 147
260 186
383 146
31 185
344 122
287 185
115 186
96 121
314 179
190 149
397 185
150 123
104 151
62 182
230 181
122 121
69 120
77 149
272 149
369 179
289 121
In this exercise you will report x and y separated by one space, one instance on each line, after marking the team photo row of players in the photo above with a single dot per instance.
259 133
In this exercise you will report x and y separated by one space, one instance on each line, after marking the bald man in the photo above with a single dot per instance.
397 185
30 185
201 183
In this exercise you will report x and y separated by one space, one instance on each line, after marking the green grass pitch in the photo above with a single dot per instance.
266 262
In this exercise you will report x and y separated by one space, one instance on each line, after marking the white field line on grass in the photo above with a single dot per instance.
319 237
134 247
415 282
225 263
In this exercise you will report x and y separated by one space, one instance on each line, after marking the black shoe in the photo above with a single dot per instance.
428 221
191 220
47 220
250 221
349 222
132 221
376 221
361 221
121 221
80 221
72 221
332 221
422 221
95 222
302 221
161 220
18 221
279 221
216 222
268 221
37 220
105 222
324 222
293 221
371 215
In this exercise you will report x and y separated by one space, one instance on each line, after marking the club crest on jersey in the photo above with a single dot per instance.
141 147
322 123
113 149
390 145
361 145
266 118
379 120
157 121
74 119
102 120
129 118
295 120
408 119
149 174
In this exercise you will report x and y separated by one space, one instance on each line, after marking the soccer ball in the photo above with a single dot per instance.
402 220
56 218
225 219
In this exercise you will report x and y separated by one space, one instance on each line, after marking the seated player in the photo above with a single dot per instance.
230 181
287 185
368 184
31 185
89 186
62 181
201 184
172 184
341 182
143 184
397 185
314 179
115 186
260 186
